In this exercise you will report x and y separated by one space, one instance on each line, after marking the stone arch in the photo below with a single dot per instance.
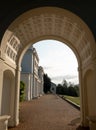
54 23
48 22
8 92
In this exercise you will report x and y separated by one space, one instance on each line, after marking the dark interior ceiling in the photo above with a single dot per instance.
9 10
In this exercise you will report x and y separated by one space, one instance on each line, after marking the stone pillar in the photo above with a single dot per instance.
37 88
4 122
17 90
31 81
83 103
1 82
33 89
88 94
92 101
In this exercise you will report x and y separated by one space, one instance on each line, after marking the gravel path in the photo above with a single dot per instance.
49 112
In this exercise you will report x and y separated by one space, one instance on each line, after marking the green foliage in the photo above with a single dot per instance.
64 83
76 87
73 99
22 89
59 89
67 89
47 83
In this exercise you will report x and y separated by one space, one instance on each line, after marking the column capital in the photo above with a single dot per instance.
18 68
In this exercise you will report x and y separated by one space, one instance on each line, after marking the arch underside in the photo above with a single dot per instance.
48 23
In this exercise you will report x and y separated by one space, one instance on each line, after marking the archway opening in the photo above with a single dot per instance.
61 66
48 23
27 65
57 55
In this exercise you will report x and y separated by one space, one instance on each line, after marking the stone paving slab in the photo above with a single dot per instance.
49 112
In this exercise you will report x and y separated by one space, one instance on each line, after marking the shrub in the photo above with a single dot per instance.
22 91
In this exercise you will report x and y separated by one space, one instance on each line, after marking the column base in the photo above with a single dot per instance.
92 122
12 123
4 122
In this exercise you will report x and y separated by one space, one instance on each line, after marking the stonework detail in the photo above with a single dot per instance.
47 24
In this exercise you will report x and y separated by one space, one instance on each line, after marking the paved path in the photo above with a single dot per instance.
49 112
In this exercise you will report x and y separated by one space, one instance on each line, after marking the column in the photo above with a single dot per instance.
83 96
17 90
31 78
92 108
1 82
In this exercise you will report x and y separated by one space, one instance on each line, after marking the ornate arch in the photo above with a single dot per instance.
44 23
49 23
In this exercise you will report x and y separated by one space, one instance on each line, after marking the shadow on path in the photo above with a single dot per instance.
49 112
82 128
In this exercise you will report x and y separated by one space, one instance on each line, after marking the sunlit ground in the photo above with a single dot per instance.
73 99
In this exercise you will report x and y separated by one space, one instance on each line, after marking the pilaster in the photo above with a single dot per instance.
83 100
17 90
1 81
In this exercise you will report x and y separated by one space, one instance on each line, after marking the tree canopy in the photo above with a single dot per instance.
22 89
47 83
67 89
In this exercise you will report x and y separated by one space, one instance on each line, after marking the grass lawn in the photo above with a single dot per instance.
73 99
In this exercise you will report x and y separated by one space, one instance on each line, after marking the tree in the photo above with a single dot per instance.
47 83
22 89
72 90
76 87
64 83
59 89
65 87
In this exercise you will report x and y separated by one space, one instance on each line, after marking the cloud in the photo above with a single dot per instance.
68 78
65 77
58 61
47 67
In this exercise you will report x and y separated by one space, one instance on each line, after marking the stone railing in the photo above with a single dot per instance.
4 122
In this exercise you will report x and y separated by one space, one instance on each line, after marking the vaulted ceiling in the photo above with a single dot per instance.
9 10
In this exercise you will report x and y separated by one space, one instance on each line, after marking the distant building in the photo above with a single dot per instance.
53 88
32 74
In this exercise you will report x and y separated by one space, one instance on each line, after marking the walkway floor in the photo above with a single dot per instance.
49 112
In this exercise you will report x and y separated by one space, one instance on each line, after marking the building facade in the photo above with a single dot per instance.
32 74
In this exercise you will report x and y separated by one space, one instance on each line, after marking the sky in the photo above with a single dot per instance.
58 61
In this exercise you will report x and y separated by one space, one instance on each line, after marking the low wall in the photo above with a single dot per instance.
4 122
